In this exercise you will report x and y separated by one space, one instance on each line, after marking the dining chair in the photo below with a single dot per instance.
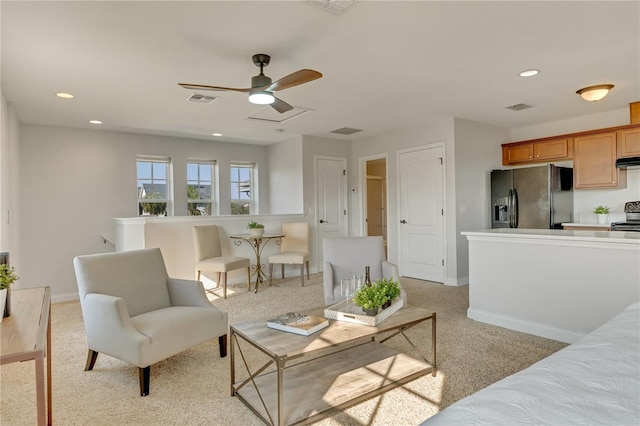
208 253
294 249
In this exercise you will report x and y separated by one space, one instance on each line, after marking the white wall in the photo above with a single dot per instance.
477 152
585 200
9 181
431 133
285 170
74 182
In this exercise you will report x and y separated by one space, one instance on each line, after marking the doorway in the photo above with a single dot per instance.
375 200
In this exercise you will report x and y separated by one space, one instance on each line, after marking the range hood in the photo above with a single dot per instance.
623 163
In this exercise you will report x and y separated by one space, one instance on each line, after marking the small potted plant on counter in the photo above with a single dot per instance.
255 228
7 277
602 214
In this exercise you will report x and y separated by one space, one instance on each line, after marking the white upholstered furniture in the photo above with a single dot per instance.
593 381
294 249
346 256
135 312
208 253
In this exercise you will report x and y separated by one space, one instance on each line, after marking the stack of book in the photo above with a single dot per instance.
298 323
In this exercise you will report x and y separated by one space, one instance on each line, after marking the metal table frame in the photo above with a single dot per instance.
257 243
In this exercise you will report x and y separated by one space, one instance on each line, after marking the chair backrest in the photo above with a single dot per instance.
137 276
206 240
350 255
296 237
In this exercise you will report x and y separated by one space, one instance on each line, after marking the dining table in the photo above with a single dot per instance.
257 243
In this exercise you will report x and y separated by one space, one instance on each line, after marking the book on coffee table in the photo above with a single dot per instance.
298 323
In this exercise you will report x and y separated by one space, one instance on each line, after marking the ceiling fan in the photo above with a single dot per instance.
262 88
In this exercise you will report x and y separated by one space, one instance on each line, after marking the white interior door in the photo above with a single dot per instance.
331 200
421 211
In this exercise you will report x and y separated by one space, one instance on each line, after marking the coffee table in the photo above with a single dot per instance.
339 366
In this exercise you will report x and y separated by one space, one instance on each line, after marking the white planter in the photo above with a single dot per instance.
256 231
602 219
3 300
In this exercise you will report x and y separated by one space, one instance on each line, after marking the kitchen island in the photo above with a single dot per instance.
559 284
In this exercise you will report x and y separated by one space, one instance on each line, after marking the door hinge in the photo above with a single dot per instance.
344 172
344 212
442 212
442 262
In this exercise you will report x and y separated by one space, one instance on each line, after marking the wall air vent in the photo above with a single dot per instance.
345 131
201 99
518 107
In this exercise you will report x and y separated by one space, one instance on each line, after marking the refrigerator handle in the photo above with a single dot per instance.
510 208
516 209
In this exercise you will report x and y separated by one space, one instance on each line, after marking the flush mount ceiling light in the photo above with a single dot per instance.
595 93
529 73
64 95
261 98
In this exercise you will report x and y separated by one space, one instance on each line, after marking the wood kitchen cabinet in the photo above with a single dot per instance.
629 143
537 151
594 162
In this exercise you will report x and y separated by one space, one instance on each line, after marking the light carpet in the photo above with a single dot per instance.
193 387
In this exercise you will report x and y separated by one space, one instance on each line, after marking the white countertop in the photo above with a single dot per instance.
591 225
559 234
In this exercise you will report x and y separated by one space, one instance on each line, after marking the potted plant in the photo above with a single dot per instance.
255 228
7 277
371 298
602 214
391 289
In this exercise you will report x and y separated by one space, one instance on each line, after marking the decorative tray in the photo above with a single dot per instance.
350 312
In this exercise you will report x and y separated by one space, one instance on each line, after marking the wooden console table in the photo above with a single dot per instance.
26 335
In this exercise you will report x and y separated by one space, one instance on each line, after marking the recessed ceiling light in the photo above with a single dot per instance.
529 73
217 134
95 121
64 95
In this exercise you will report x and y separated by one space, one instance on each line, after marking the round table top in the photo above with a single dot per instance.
255 237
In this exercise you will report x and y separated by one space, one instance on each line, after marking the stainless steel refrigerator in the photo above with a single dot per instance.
532 197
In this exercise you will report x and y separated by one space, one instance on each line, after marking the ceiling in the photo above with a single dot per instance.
386 65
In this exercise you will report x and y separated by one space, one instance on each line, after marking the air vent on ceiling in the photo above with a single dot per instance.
518 107
345 131
332 6
201 99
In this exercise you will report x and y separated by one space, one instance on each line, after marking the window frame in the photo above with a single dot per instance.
213 200
168 200
252 201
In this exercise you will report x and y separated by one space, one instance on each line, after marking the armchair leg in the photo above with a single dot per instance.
222 341
144 374
92 356
308 270
282 270
248 278
224 291
270 274
302 274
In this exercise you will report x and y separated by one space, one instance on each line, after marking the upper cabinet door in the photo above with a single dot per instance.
594 162
517 153
557 149
629 143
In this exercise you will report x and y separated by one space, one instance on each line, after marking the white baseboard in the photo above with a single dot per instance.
456 282
524 326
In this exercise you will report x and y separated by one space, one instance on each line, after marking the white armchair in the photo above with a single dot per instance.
135 312
344 257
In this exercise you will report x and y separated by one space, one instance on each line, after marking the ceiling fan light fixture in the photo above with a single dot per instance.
261 98
595 93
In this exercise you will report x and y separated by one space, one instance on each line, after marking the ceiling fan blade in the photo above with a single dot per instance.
218 88
294 79
281 106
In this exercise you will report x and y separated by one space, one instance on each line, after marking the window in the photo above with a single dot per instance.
242 188
153 186
200 187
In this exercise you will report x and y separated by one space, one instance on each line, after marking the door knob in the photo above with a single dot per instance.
403 221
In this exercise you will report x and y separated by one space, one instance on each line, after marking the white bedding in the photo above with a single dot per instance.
593 381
